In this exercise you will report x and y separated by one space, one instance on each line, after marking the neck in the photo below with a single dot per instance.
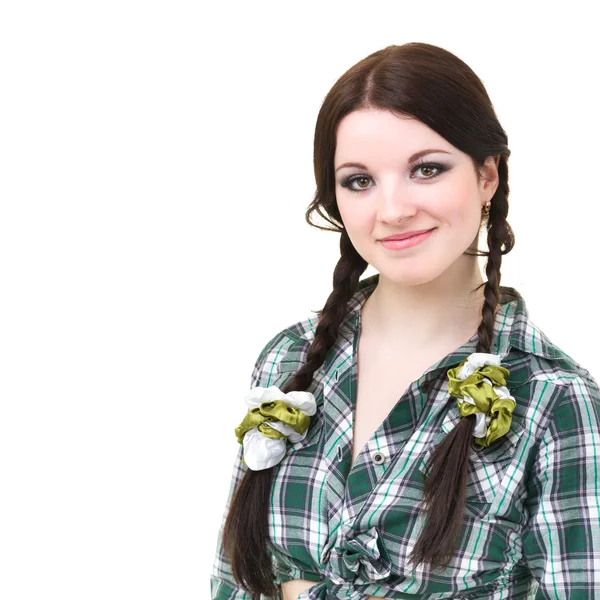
437 312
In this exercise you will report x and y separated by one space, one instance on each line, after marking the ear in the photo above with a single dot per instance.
489 178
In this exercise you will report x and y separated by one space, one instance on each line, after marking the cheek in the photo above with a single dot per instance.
457 209
355 214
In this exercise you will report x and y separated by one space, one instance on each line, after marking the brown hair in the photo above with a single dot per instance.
434 86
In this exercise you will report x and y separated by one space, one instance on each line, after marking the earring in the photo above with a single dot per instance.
486 210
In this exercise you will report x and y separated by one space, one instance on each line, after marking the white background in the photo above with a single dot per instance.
156 163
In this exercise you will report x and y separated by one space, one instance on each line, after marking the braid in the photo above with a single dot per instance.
499 234
345 283
445 491
245 535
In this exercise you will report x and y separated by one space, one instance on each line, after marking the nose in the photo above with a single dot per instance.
395 202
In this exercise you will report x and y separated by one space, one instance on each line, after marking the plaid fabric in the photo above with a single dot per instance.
531 528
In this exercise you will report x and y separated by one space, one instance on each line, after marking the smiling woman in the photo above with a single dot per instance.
434 190
422 437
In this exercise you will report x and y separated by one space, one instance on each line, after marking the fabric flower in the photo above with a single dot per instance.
479 385
273 418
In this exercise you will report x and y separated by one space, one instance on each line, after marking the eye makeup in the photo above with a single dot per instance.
348 182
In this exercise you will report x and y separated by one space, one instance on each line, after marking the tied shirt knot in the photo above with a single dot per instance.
364 556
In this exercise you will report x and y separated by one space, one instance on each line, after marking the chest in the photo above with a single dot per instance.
382 379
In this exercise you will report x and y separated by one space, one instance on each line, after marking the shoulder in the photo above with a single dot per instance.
568 434
555 394
532 354
292 342
283 351
557 370
546 381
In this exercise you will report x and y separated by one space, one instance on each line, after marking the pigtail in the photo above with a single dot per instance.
444 495
246 530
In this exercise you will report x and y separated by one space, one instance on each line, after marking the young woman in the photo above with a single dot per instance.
420 437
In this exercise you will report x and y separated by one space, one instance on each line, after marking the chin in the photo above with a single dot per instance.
410 273
409 279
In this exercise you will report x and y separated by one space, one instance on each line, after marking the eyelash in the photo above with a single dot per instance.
347 182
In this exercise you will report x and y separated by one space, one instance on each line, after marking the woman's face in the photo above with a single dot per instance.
393 192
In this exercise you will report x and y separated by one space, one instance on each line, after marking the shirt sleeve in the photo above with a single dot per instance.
561 542
222 584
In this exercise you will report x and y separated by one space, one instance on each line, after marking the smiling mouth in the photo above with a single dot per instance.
406 237
407 242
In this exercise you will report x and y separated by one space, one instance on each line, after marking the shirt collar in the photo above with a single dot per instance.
513 328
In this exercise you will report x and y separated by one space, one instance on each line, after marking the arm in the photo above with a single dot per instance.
561 542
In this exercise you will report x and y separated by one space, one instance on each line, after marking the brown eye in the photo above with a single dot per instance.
361 181
428 170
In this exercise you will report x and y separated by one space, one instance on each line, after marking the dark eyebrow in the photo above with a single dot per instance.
414 157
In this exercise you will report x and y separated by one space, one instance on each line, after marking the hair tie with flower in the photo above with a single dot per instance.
273 417
479 385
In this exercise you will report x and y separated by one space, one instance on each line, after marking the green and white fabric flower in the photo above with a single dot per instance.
273 418
479 385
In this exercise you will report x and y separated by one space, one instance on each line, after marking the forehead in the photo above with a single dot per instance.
380 136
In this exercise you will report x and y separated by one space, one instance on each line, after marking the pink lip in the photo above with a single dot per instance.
403 236
398 243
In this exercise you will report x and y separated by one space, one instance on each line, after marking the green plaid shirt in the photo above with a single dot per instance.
531 528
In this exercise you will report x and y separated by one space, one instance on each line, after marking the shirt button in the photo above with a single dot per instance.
378 458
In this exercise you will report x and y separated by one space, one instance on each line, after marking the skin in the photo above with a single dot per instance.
424 298
424 292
